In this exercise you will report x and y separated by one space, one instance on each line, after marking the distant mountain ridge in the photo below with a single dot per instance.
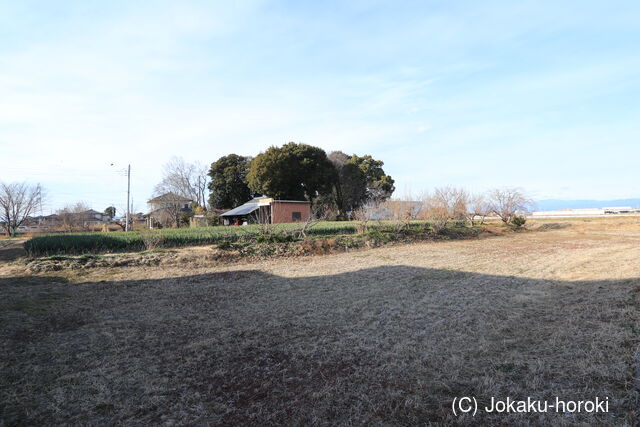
554 204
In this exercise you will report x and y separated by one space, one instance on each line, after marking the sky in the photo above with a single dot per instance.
542 95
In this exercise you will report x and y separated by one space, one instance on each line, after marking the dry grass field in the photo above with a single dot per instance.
386 336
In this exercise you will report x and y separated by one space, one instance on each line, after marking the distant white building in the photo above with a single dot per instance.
570 212
616 210
620 210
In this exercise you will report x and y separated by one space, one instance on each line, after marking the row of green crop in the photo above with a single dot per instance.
95 243
79 243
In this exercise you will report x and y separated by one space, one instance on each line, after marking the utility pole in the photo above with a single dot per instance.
126 225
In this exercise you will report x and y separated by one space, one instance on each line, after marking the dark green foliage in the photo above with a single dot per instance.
360 179
518 221
379 186
228 184
110 212
351 189
185 218
326 206
338 184
379 236
292 172
275 238
79 243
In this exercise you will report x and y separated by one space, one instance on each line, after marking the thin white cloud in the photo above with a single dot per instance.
440 94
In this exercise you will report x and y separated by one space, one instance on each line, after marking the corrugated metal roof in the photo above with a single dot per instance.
245 209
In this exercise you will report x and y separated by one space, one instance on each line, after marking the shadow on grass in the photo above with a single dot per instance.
388 345
12 252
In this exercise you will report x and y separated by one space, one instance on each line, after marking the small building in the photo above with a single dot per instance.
265 210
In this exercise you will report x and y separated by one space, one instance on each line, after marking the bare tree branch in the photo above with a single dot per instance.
71 216
478 206
184 179
18 200
446 204
508 202
365 213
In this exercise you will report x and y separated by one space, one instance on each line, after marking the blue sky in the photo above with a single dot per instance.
541 95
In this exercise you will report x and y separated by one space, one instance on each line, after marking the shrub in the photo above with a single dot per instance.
275 238
518 221
213 220
152 239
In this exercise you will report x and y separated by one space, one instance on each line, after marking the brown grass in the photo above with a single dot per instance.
385 336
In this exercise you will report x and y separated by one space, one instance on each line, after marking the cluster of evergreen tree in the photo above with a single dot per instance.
339 182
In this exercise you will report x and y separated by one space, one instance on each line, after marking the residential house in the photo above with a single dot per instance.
167 210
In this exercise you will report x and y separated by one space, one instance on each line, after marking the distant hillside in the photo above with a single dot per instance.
551 205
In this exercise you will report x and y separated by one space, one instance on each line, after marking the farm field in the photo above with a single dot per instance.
385 336
79 243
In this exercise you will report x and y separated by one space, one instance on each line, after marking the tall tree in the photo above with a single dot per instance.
18 200
293 171
351 188
228 186
379 185
184 179
360 179
110 212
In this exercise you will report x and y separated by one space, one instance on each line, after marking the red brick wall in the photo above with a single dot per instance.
283 211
